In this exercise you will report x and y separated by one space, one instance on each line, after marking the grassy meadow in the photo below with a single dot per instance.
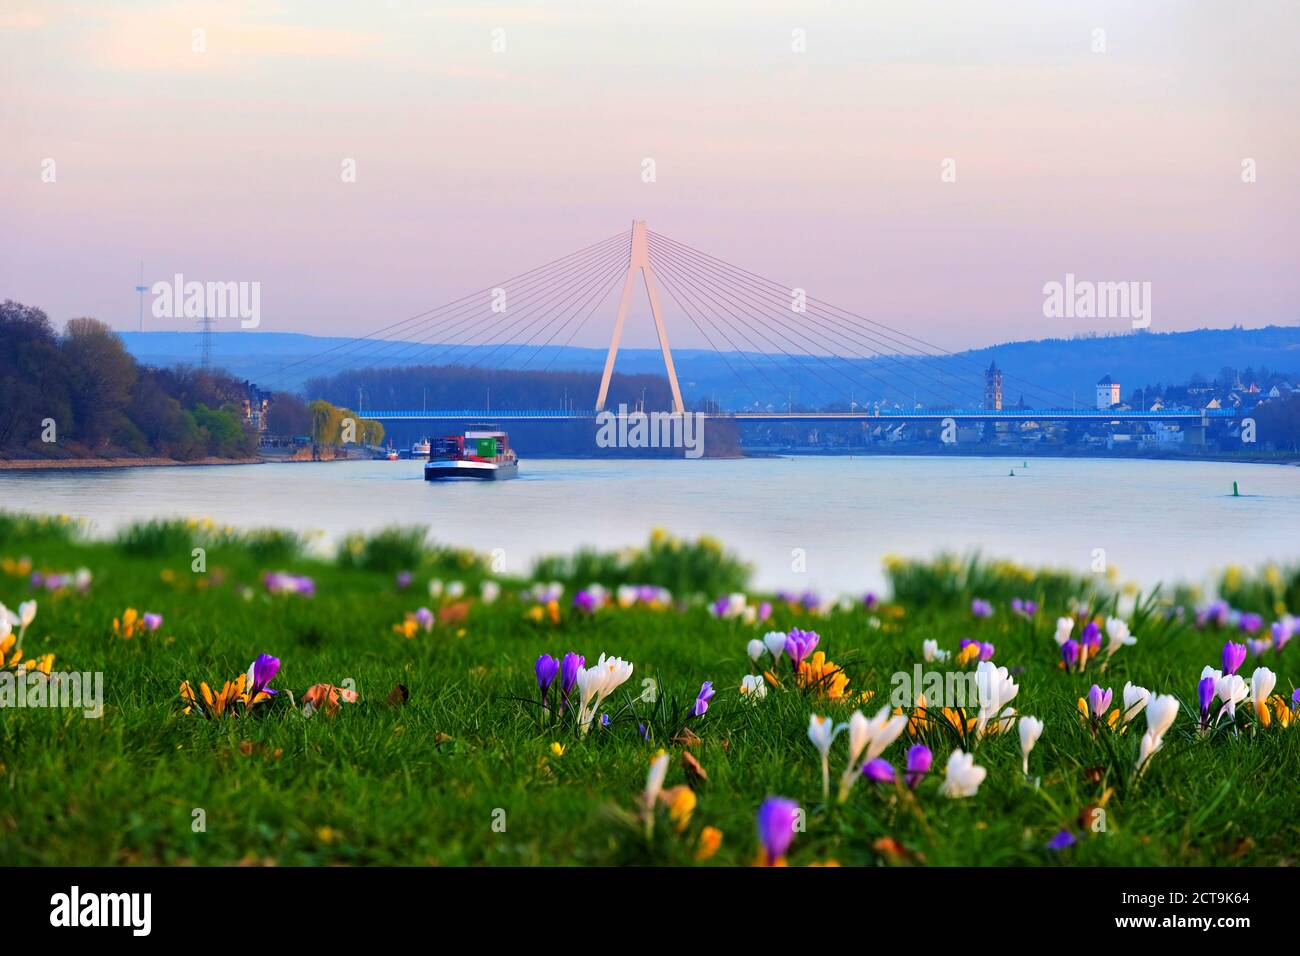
446 756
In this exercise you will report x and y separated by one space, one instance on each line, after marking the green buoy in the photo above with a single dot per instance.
1011 473
1235 492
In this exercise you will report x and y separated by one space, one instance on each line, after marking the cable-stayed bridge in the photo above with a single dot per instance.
777 341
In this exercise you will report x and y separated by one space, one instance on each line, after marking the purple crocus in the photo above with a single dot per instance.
764 610
1070 653
404 579
1215 613
1257 647
981 608
1295 699
702 701
1062 840
604 721
585 601
1250 622
644 731
986 651
1234 655
569 676
799 644
152 621
1099 700
424 617
1205 691
1283 631
1025 609
879 770
919 759
546 668
869 601
776 822
1091 637
260 673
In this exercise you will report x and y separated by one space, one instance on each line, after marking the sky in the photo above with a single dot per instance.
929 164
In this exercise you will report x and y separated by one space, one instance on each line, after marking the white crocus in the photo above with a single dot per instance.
1135 700
930 650
996 690
1031 728
435 588
753 687
867 741
822 731
962 777
774 641
489 591
596 683
1064 625
1162 709
755 649
654 785
1117 635
1262 683
6 627
1232 690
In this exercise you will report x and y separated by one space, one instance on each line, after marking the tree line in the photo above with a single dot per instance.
82 393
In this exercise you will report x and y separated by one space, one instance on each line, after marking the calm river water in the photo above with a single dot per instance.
1157 520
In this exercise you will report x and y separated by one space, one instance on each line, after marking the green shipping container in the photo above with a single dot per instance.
487 447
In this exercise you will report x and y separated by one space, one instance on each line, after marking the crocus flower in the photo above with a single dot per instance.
403 580
654 784
1025 609
879 770
799 644
1062 840
1031 728
777 818
981 608
1064 625
424 617
1262 683
1205 692
1250 622
1232 690
1283 631
869 601
822 731
930 651
596 683
1070 653
867 741
1295 699
1135 700
1099 701
755 649
753 687
585 601
702 699
919 759
986 651
569 668
1257 647
962 777
774 641
152 621
1234 655
489 591
1117 636
546 668
1091 637
260 674
1162 709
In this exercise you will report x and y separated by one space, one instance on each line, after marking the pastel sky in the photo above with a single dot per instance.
819 169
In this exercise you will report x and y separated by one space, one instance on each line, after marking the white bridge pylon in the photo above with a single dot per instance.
639 261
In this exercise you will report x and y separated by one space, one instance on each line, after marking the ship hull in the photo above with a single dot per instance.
473 470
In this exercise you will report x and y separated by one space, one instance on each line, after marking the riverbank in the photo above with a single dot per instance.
62 464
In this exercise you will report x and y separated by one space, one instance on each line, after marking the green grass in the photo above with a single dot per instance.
424 782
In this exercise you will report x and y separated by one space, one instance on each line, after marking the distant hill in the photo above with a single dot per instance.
1045 372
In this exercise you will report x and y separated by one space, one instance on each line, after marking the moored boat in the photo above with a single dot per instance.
480 454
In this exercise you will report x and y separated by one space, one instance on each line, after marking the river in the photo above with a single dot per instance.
1156 520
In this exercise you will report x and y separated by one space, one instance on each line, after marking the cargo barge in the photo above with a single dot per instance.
482 455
